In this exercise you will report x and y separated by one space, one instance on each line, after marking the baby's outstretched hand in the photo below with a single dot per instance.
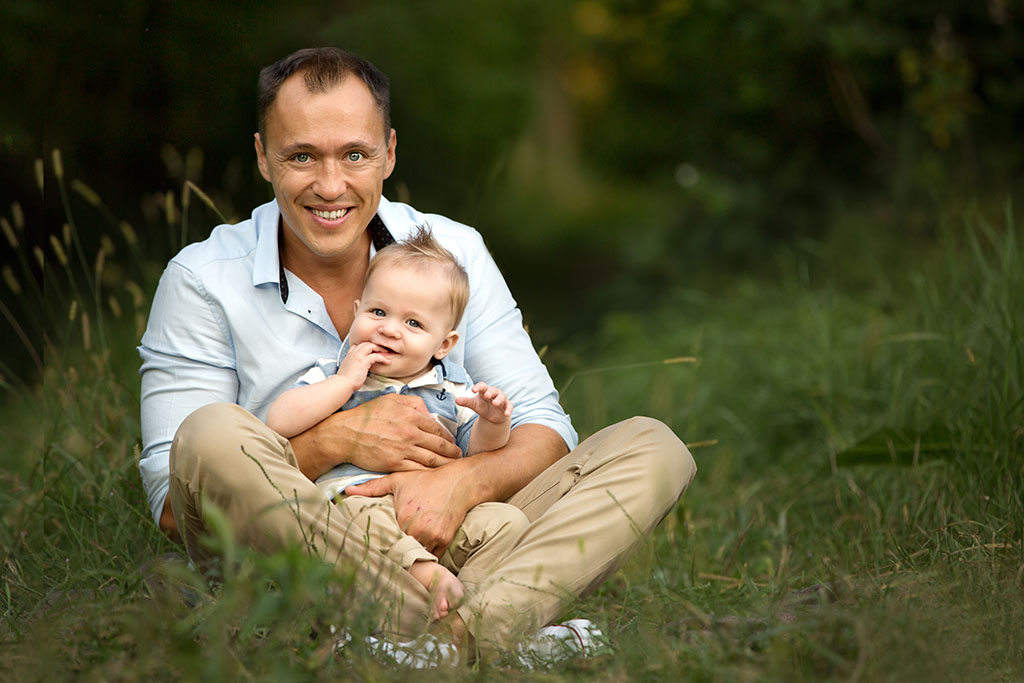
356 365
490 403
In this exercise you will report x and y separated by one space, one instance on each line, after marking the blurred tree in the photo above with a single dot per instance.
654 140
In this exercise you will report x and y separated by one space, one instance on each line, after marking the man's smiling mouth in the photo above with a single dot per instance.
329 215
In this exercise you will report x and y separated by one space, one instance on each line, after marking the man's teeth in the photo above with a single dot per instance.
330 215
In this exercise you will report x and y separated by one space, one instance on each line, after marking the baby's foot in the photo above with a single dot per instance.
446 590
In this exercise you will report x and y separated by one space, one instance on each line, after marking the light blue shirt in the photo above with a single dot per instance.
219 332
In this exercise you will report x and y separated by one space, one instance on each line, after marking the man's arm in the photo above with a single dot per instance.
392 433
187 362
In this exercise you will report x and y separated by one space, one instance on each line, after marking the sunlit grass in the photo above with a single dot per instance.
857 515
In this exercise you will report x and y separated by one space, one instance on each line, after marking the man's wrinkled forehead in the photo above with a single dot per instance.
311 86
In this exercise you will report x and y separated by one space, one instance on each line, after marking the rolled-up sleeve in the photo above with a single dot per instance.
499 351
187 362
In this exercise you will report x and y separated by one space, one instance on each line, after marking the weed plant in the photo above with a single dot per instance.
858 513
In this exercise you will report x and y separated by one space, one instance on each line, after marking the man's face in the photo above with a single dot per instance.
405 311
326 155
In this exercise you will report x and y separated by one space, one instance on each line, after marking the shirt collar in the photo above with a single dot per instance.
266 261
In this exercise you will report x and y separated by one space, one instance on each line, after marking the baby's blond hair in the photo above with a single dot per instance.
423 251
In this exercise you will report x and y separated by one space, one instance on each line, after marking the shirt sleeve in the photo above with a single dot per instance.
188 361
324 368
498 350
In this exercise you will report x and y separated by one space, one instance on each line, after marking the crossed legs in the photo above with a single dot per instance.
586 513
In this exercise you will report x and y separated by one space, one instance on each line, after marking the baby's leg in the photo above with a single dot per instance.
374 519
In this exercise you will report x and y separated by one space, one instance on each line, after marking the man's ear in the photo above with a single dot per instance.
447 345
389 161
261 157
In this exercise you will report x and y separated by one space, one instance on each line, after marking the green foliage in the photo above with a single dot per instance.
753 121
856 418
780 191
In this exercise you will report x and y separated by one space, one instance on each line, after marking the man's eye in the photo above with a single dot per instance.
354 156
302 157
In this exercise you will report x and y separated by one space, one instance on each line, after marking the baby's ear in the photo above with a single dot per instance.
447 345
355 306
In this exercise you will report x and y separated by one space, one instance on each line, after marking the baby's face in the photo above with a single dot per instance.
406 312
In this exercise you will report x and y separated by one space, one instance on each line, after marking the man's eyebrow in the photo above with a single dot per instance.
297 147
288 150
358 144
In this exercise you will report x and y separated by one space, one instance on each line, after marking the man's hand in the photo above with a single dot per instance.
392 433
430 504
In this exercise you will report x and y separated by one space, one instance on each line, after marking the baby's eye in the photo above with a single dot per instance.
379 312
354 156
415 323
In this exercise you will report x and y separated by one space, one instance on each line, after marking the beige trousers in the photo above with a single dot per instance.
587 512
489 533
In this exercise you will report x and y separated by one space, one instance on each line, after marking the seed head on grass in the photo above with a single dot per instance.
128 232
58 164
86 192
11 280
58 250
12 239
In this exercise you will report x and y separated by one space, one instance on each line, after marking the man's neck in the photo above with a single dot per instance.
338 279
324 274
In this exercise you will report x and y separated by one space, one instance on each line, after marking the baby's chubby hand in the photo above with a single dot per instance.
357 363
490 403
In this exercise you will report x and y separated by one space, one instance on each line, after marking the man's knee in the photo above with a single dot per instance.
508 518
668 459
201 436
488 520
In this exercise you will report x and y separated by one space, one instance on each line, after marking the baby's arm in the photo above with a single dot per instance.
491 430
299 408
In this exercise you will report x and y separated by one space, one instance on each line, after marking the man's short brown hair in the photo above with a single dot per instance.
323 68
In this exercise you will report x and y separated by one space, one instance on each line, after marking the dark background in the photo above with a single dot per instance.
610 151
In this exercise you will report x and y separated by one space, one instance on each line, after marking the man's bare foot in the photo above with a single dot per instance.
446 591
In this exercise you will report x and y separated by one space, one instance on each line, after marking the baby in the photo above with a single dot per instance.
413 298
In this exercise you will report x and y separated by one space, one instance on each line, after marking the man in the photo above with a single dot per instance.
238 317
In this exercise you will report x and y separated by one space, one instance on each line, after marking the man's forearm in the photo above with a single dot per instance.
393 433
496 475
310 455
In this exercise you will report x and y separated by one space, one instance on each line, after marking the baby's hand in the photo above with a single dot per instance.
356 365
490 403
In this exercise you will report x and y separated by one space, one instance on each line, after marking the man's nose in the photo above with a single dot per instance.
330 182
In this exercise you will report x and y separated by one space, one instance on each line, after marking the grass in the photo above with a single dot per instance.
858 514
